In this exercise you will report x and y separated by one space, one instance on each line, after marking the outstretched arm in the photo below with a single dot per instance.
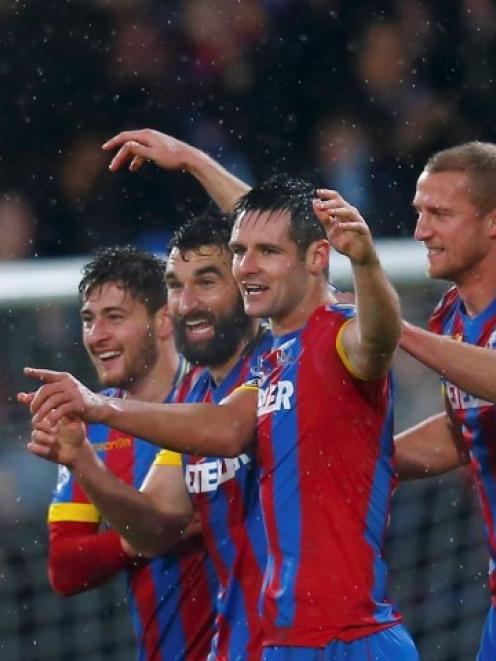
473 369
137 147
151 521
371 340
224 430
432 447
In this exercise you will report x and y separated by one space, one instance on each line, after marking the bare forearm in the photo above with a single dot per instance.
130 512
378 308
430 448
378 320
223 187
473 369
201 429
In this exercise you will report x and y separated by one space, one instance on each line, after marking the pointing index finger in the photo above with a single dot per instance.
50 376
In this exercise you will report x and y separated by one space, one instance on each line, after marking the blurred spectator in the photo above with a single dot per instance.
18 226
259 82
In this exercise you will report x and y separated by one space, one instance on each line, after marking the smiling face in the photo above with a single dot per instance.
119 334
205 305
456 235
272 276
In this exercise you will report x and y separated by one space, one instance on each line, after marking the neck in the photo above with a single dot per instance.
477 287
158 382
219 372
298 316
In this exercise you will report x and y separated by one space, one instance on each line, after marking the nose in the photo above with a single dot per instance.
246 264
188 301
423 229
97 331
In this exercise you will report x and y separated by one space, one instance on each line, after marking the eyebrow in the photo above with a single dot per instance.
436 207
106 310
204 270
273 246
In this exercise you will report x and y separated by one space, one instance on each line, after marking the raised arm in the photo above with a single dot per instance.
371 340
137 147
224 430
151 521
430 448
471 368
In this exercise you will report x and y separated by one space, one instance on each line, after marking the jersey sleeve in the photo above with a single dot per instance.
70 503
80 557
168 458
341 351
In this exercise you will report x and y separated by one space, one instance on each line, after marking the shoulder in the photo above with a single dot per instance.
341 310
449 301
328 320
187 383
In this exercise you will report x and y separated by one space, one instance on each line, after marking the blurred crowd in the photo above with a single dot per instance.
354 95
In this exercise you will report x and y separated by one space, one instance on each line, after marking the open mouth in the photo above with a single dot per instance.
254 290
198 327
432 252
107 356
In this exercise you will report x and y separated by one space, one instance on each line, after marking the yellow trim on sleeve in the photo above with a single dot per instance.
167 458
77 512
342 351
246 386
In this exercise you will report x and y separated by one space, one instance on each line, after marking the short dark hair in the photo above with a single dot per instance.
284 193
478 161
210 228
140 273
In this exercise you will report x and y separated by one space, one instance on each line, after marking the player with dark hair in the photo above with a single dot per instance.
321 406
211 329
456 206
128 336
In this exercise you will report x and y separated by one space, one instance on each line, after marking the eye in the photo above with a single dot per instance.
115 316
206 282
237 250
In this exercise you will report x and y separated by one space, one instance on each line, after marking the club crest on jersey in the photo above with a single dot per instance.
208 475
284 354
275 397
259 371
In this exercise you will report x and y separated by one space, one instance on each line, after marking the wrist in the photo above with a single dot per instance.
368 261
194 160
98 409
84 456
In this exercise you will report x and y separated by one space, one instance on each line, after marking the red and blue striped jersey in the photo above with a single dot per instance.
477 417
225 493
325 447
172 597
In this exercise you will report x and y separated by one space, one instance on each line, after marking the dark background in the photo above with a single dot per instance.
354 95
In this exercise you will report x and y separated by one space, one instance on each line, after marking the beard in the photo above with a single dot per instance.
229 330
136 366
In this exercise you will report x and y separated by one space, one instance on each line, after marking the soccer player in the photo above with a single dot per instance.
128 336
321 406
211 329
456 205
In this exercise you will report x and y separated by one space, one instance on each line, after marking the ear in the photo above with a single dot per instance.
163 323
492 224
318 257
